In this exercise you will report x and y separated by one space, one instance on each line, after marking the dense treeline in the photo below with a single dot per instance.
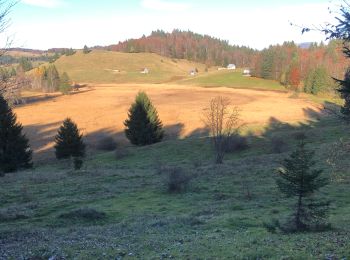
292 65
9 60
190 46
309 68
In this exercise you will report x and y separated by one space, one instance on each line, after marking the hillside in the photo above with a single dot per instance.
113 67
118 206
191 46
101 110
232 79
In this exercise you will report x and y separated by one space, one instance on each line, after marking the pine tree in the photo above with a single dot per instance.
53 78
86 50
143 127
299 179
317 81
65 85
69 141
344 91
14 148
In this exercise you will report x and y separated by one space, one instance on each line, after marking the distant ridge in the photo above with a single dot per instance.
190 46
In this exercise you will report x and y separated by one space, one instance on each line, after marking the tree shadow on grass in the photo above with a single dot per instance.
42 138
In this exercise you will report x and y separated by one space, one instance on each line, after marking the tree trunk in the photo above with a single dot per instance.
298 223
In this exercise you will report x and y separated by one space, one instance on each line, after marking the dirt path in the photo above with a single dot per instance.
101 110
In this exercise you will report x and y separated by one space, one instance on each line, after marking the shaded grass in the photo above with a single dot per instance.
213 219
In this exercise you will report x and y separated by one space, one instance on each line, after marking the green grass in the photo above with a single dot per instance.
232 79
99 67
213 219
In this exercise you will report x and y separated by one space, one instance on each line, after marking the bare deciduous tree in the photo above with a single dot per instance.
9 86
222 120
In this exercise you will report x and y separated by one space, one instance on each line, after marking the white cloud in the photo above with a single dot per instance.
162 5
44 3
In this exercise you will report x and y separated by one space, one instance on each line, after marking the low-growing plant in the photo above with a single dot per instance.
236 143
84 213
78 163
121 153
177 179
278 145
107 144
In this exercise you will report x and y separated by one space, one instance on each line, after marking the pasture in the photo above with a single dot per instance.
100 111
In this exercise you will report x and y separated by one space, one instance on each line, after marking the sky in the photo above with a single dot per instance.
43 24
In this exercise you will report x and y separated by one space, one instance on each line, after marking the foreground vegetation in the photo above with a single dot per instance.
118 204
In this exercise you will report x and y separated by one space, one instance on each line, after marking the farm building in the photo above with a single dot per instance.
246 72
193 72
145 71
231 67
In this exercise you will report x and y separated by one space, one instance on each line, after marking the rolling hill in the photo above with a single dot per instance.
114 67
231 79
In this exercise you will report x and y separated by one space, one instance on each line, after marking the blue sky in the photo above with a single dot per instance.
45 24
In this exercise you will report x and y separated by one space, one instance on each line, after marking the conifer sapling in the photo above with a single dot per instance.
15 152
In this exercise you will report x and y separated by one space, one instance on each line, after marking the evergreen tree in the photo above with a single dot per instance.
14 148
86 50
69 141
317 81
26 64
267 64
53 78
143 127
65 85
344 91
299 179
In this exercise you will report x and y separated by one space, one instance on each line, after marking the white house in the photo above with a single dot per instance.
231 67
145 71
246 72
193 73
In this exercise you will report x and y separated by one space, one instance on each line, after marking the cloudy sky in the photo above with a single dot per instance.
43 24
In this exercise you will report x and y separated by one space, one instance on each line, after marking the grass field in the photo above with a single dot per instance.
116 67
213 219
101 110
232 79
118 207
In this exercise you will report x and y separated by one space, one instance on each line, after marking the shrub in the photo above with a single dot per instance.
107 144
273 226
121 153
84 213
177 180
78 163
65 84
278 145
236 143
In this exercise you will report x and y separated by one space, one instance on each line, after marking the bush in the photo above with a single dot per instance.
107 144
177 180
84 213
121 153
278 145
273 226
236 143
78 163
